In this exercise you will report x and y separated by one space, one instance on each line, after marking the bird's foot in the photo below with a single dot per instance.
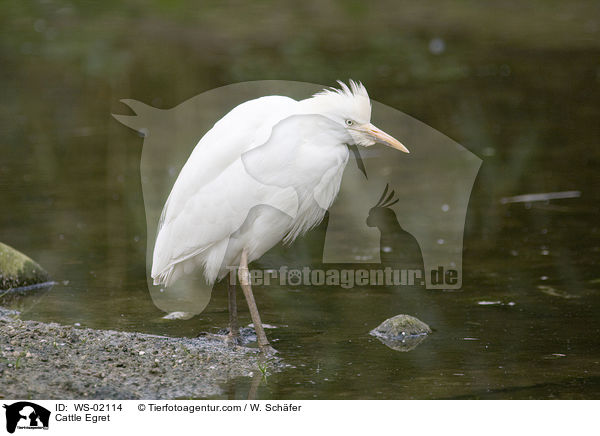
233 340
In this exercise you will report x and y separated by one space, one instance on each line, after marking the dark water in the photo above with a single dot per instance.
522 96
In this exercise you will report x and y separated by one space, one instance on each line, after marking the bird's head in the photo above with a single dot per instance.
351 107
381 213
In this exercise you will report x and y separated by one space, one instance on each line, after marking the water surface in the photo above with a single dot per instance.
526 103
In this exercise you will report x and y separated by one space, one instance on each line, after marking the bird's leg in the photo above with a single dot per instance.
244 276
234 331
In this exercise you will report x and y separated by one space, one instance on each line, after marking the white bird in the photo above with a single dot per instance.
267 171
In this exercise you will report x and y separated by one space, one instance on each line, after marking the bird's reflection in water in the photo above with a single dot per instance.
398 248
256 379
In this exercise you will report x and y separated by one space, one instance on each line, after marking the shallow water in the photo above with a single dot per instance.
71 195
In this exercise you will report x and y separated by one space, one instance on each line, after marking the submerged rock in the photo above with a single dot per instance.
18 270
401 332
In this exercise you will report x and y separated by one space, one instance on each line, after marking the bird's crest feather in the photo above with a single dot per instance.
356 89
353 101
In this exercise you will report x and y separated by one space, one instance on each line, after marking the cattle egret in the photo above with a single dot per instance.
267 171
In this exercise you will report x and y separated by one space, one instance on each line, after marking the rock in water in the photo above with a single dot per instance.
402 332
18 270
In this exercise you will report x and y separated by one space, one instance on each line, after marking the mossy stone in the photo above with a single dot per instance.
18 270
402 332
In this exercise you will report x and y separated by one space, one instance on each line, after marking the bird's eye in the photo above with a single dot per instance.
349 122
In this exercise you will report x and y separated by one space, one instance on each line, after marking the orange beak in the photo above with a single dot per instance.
384 138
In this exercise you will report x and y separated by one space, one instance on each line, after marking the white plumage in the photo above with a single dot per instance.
267 171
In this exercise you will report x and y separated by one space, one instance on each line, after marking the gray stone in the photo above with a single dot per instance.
401 332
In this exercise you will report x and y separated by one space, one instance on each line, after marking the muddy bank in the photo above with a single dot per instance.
52 361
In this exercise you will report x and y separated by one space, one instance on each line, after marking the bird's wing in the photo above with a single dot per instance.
306 152
202 207
243 128
301 150
212 214
294 161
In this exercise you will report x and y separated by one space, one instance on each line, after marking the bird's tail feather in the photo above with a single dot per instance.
163 278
